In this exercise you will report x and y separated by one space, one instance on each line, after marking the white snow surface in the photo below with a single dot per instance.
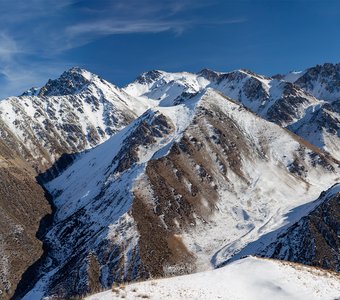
246 279
293 76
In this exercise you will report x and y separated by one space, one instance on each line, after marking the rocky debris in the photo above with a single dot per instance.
153 125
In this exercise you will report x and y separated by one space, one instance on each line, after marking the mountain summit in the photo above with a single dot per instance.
72 81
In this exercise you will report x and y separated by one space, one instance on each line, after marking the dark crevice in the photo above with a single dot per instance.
31 276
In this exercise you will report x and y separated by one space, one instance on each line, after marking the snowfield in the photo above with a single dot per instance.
249 278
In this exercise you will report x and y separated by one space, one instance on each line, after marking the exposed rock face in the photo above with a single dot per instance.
22 206
70 82
149 77
313 240
320 126
322 81
290 107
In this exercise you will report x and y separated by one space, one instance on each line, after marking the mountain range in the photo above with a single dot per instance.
174 173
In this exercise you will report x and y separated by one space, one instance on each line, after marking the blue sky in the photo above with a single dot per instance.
118 39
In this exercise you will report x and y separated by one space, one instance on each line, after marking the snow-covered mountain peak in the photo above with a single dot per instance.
276 100
149 77
322 81
164 88
284 100
72 81
33 91
208 74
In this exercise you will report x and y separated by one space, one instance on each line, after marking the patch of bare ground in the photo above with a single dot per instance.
93 271
22 206
157 244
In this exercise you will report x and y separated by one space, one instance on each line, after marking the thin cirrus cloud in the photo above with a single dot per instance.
127 17
108 27
8 47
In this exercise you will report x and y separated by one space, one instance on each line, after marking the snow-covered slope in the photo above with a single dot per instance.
320 123
321 127
249 278
93 198
178 172
182 188
75 112
233 171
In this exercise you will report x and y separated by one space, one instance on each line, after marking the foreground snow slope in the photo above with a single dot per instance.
249 278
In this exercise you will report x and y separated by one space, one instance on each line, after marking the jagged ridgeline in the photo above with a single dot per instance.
172 174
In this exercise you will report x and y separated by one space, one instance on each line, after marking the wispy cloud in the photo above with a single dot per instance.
108 27
133 16
82 33
8 48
